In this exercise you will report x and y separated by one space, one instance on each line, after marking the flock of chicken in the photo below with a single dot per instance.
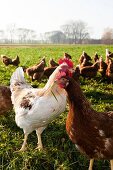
85 68
40 71
35 108
88 69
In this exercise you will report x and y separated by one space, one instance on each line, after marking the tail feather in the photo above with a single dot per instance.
17 79
107 52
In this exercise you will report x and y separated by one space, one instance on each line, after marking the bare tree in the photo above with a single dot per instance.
11 31
57 37
82 31
77 31
46 36
31 36
25 35
66 29
2 38
107 36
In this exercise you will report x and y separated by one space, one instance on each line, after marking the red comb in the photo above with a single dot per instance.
67 61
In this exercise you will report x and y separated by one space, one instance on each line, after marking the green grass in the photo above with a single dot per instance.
59 153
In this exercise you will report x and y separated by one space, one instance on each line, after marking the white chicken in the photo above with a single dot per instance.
35 108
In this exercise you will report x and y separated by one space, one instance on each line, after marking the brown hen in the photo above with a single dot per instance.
5 99
89 130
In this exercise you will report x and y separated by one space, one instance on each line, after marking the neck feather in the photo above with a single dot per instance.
77 99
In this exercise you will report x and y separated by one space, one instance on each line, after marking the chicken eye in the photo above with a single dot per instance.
63 79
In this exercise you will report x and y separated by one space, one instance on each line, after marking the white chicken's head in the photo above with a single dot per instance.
63 70
60 71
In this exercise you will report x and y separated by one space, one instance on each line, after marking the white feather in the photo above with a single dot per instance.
107 52
17 78
18 75
43 106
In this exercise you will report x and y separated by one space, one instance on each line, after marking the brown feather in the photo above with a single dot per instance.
91 131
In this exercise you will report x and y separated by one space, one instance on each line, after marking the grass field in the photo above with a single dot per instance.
59 153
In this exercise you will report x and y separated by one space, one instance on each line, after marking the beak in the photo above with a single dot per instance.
66 82
71 70
63 82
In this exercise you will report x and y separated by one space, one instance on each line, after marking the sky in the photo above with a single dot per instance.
49 15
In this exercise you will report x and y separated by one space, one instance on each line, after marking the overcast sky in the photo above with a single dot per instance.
49 15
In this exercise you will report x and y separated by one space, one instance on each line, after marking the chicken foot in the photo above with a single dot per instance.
23 148
91 164
39 132
111 163
92 161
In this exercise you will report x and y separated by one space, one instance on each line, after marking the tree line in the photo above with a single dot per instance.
73 32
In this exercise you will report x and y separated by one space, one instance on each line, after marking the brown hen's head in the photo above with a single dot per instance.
63 81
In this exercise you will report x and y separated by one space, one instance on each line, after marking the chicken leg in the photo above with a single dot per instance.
23 148
111 162
91 164
39 132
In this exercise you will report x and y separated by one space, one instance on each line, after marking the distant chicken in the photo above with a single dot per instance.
111 55
108 52
109 71
16 61
85 63
36 108
6 60
108 56
38 76
89 71
48 71
66 55
89 130
96 57
39 69
42 59
102 67
84 56
5 100
40 72
52 63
